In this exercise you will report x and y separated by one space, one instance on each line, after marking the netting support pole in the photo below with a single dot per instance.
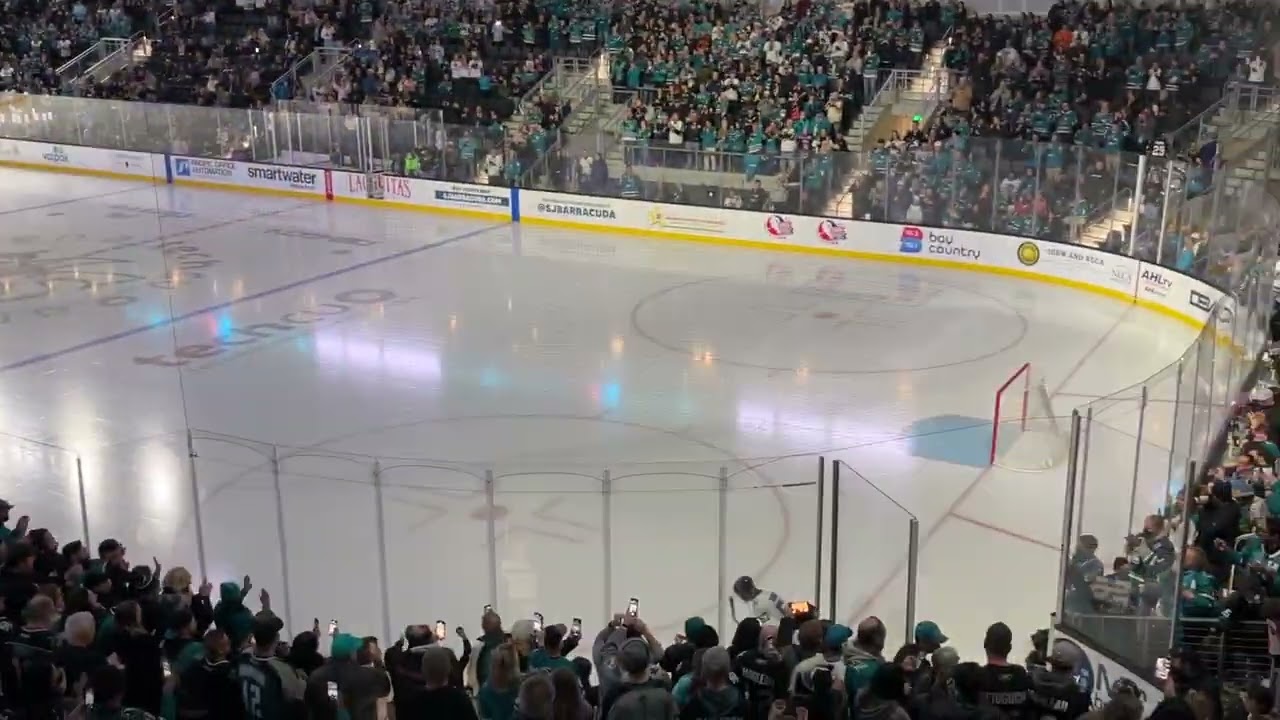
383 576
722 589
913 569
835 538
817 560
606 533
195 506
283 536
1068 510
1084 465
84 504
493 538
1137 456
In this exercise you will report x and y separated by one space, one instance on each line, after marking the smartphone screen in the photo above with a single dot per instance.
537 622
488 609
333 628
440 630
88 698
576 628
633 607
168 670
1162 669
333 690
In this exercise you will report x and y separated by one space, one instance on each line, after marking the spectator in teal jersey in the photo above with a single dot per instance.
18 530
550 655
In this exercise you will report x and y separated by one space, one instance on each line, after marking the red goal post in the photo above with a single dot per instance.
1025 433
1018 383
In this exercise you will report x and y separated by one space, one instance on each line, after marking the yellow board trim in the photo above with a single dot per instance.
876 257
107 174
650 233
410 207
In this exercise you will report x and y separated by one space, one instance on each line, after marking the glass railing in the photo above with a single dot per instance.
1138 455
1172 211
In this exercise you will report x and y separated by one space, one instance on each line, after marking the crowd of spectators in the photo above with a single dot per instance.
1046 114
1224 585
96 637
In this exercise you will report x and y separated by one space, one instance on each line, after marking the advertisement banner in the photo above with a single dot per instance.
276 178
223 171
477 197
393 188
1185 296
582 209
935 243
1078 263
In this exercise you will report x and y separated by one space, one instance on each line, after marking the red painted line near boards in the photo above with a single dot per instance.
1002 531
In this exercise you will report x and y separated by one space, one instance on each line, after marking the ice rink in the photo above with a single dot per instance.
325 344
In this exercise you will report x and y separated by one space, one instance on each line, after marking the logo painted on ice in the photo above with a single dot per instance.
912 240
778 226
832 232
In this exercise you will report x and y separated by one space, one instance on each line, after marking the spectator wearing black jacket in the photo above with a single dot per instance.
359 687
436 697
77 656
50 564
208 689
176 592
762 673
304 653
1004 686
1055 693
138 649
677 659
18 580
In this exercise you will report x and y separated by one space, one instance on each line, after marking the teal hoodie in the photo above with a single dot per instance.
860 666
231 616
727 702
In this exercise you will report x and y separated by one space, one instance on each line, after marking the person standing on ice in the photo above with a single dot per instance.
763 605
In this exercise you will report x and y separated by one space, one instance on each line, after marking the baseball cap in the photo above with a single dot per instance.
946 657
836 637
929 632
344 645
715 661
633 655
6 505
1065 654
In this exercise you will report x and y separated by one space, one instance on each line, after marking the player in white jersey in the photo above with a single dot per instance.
761 604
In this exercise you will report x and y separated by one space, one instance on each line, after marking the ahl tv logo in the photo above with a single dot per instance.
912 240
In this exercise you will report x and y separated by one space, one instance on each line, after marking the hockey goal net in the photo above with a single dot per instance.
1026 435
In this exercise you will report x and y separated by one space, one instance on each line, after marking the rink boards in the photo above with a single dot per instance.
1152 286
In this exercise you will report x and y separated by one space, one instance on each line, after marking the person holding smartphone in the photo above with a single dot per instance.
551 656
359 687
605 651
